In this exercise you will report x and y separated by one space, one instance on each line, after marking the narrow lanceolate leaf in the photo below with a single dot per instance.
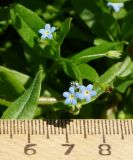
65 27
25 106
26 22
123 86
94 52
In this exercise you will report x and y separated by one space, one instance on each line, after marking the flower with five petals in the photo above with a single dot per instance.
85 92
70 97
47 32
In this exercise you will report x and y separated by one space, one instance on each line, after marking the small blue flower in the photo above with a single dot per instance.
115 6
85 92
47 32
70 97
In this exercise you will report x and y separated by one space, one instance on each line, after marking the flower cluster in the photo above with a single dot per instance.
115 6
78 94
47 32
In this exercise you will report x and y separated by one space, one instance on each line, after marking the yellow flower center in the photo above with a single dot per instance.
71 96
86 92
46 32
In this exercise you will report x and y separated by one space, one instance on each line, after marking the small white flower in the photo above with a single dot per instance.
115 6
85 92
70 97
47 31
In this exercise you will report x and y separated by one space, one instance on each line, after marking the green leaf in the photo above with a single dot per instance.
52 52
99 41
21 77
128 71
65 27
25 106
123 86
72 70
111 26
125 79
94 52
115 71
87 72
26 22
10 85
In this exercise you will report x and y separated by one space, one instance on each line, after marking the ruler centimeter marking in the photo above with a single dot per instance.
67 127
70 134
103 132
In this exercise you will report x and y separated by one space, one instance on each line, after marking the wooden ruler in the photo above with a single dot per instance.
66 139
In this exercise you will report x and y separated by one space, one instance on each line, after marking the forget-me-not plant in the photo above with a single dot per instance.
78 95
47 32
115 6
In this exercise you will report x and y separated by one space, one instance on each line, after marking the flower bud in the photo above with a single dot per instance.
114 54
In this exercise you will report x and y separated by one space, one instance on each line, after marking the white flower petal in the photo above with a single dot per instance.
115 6
93 93
41 31
53 29
50 36
89 87
82 88
79 95
71 89
47 26
66 94
43 36
67 101
88 98
74 102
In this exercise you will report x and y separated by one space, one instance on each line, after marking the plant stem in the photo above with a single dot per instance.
47 100
41 101
4 103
